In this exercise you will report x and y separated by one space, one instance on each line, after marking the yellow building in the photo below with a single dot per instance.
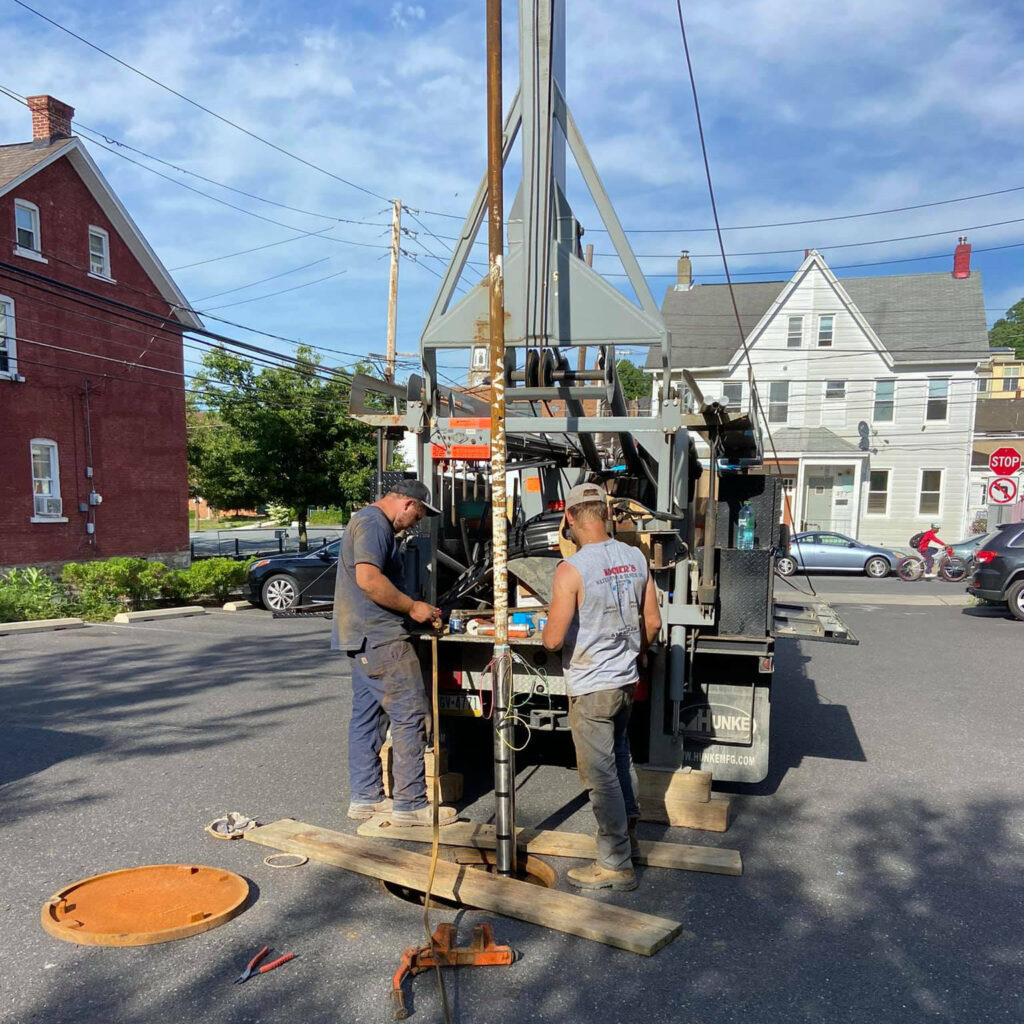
1002 375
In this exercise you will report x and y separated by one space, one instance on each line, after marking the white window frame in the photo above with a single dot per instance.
832 391
104 237
944 418
776 403
46 517
890 401
482 363
795 333
983 383
735 385
937 514
886 492
31 253
1011 378
830 343
10 340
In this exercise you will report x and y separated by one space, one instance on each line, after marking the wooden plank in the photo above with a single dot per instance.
563 844
673 785
712 816
575 915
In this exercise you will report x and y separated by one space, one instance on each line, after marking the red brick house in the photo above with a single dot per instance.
92 402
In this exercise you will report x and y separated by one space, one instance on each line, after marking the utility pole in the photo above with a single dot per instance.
396 232
504 754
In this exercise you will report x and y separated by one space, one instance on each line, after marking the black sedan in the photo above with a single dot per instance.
999 568
280 582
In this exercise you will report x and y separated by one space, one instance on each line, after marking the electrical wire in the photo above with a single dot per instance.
200 106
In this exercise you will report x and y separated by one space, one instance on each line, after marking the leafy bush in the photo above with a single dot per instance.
326 517
115 583
279 515
27 594
216 577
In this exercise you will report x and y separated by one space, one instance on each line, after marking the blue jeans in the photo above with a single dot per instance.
598 722
387 684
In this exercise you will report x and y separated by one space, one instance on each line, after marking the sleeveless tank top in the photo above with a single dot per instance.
603 641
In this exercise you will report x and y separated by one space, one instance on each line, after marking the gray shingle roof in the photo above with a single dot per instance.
20 157
916 316
810 441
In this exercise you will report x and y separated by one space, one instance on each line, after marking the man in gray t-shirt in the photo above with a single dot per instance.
371 625
603 616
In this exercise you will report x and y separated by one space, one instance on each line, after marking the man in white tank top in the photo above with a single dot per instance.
603 615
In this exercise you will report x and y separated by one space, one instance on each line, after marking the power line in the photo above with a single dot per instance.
270 295
200 106
274 277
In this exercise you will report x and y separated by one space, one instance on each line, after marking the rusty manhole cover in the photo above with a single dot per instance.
140 906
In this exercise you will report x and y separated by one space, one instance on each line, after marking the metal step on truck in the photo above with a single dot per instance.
687 478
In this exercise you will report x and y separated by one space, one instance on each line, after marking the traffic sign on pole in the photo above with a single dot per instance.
1004 461
1002 490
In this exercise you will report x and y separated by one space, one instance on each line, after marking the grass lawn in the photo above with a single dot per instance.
222 524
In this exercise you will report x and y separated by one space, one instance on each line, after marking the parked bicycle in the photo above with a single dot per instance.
948 567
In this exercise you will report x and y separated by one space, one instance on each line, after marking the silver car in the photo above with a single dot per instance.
834 552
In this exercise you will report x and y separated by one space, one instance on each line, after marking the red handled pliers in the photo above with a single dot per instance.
253 969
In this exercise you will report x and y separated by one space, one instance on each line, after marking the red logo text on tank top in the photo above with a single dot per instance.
618 570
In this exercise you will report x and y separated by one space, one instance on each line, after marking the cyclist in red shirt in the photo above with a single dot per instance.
930 546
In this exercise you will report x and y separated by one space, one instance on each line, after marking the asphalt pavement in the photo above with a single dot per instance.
883 856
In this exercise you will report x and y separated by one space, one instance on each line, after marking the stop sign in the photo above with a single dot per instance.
1004 461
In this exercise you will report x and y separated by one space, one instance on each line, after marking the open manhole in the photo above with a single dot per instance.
529 869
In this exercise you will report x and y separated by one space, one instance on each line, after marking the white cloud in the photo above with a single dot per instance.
402 15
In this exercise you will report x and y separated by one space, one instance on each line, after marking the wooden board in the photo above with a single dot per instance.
564 844
711 816
669 785
387 760
575 915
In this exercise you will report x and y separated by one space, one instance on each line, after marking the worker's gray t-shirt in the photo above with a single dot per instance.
603 640
359 621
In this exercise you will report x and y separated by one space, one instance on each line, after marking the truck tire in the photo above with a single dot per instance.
1015 600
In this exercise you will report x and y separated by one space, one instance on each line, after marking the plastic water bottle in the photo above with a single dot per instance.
745 527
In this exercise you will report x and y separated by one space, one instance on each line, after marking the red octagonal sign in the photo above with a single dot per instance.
1004 461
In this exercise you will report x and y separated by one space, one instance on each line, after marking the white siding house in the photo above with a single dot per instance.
867 387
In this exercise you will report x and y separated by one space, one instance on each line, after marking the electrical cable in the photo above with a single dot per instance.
207 110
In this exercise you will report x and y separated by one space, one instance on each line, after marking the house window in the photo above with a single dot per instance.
835 389
732 395
45 479
931 492
825 328
8 346
983 385
26 230
878 492
795 333
480 361
938 398
1011 378
99 252
885 401
778 401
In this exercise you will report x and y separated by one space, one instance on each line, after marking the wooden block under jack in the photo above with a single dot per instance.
659 785
710 815
387 760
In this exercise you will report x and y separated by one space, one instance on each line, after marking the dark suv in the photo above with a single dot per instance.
999 568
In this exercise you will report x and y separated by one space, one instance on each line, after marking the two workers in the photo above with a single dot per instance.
603 616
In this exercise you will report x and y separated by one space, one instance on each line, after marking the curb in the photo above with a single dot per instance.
159 613
897 599
39 626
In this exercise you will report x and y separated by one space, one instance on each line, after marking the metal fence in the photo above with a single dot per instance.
249 543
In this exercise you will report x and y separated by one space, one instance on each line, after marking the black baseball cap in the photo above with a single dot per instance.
417 490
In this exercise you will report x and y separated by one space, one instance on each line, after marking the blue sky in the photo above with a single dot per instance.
811 111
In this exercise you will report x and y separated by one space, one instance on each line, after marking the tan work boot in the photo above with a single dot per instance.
424 816
361 811
595 876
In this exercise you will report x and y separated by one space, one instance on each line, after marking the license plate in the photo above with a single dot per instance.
465 704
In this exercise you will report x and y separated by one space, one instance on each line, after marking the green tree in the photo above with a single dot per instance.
280 434
1008 331
635 383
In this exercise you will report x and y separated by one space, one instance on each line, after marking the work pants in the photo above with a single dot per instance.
387 684
598 722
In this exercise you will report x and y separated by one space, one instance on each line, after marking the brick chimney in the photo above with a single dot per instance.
684 272
51 119
962 260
